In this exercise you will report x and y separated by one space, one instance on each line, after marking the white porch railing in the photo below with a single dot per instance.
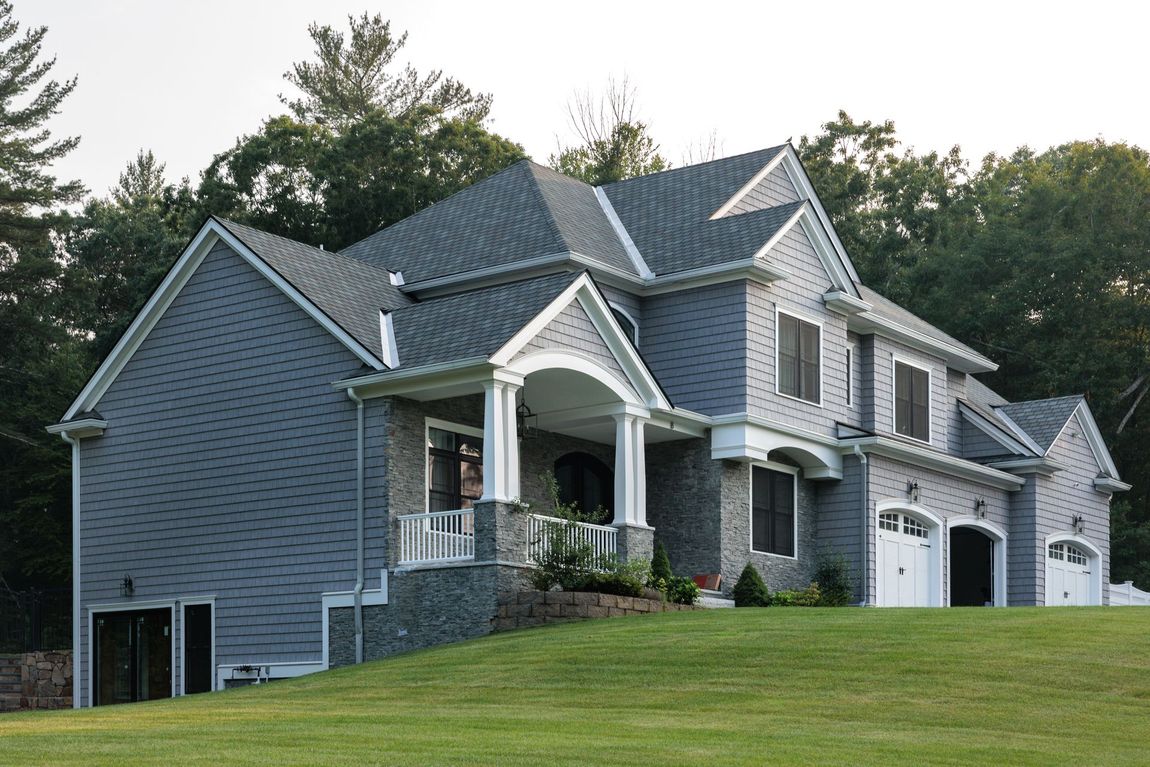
441 536
541 530
1123 594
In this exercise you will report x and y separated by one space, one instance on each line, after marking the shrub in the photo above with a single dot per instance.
834 581
808 597
682 591
661 564
565 563
750 591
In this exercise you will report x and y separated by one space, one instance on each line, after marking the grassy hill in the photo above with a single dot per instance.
720 687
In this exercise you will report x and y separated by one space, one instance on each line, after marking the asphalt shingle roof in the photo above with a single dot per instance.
348 291
1042 419
884 307
472 324
522 212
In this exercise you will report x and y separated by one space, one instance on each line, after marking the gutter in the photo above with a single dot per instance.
359 544
864 552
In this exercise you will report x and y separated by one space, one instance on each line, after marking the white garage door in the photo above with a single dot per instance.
1067 575
904 556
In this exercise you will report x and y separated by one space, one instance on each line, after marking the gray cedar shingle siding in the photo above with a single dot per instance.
774 189
228 468
572 330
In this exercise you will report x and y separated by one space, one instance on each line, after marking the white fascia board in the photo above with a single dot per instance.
747 187
802 182
991 430
748 439
472 369
1034 465
844 303
83 427
210 233
1094 439
930 459
636 257
1018 432
387 340
963 361
747 268
1111 485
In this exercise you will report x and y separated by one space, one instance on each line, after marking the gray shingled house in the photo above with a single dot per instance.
296 458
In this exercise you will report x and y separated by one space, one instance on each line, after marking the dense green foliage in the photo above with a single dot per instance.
811 596
816 686
682 590
661 563
750 591
836 584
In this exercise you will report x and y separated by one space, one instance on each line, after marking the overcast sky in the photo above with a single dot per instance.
186 78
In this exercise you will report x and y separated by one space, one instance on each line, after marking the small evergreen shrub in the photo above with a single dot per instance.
750 591
682 591
808 597
834 580
661 564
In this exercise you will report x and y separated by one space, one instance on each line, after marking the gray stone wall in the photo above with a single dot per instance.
778 572
537 456
425 608
683 497
36 680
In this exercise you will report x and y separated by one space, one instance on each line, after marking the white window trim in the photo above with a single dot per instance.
853 361
785 469
184 642
894 362
935 527
120 607
822 362
630 318
435 423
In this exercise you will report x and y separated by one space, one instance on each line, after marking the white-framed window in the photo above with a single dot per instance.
911 400
774 510
798 357
454 466
626 322
1056 551
911 526
888 521
852 354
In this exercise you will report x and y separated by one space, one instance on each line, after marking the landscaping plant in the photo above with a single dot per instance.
750 591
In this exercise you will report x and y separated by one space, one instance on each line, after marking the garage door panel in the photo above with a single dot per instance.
904 561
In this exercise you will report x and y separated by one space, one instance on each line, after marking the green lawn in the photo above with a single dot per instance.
717 687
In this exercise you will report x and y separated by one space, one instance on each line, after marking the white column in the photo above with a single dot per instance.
630 471
500 442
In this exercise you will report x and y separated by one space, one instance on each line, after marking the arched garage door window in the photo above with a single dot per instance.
585 480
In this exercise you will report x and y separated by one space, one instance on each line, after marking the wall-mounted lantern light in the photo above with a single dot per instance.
980 508
127 588
1078 524
912 491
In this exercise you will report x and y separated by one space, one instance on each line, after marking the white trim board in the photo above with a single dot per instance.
189 261
980 422
624 237
211 601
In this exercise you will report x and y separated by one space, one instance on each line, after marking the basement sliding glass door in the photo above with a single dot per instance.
133 656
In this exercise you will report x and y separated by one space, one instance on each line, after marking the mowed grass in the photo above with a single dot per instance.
718 687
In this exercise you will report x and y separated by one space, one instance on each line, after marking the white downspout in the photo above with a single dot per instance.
359 491
77 675
864 552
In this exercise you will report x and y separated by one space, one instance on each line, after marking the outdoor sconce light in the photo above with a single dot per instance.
525 420
1078 523
912 491
127 588
980 508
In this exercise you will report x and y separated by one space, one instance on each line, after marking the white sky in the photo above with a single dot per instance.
186 78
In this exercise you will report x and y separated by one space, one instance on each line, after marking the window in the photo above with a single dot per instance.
850 376
1056 551
888 522
585 480
798 359
911 402
911 526
454 470
626 323
772 511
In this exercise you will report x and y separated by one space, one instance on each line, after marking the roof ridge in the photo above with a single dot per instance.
1045 399
550 214
698 165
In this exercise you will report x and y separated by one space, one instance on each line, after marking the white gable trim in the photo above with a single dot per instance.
1018 432
387 340
1093 436
583 290
804 217
755 181
187 264
976 420
621 231
802 182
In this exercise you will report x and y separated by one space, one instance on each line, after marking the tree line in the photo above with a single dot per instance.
1039 260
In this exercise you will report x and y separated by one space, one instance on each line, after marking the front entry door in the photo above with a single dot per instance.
133 656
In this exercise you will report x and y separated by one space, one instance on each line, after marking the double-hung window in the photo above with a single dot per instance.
911 401
799 344
454 470
772 511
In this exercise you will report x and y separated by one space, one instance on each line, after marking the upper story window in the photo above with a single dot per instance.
454 468
911 401
799 360
773 501
626 323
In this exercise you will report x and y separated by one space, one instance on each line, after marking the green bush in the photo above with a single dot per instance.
750 591
661 565
682 591
808 597
836 587
565 563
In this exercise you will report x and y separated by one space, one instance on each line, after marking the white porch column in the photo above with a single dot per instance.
500 441
630 471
